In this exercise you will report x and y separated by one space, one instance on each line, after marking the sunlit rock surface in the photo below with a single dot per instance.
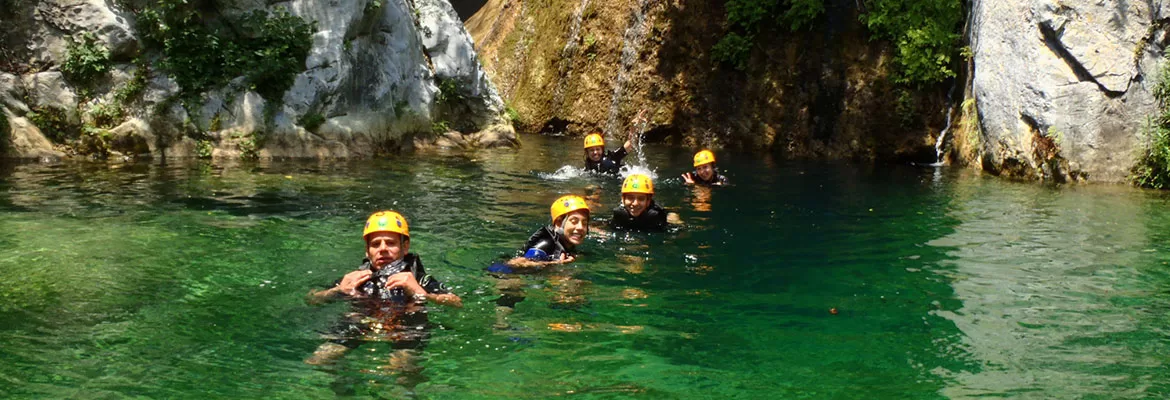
375 75
1064 88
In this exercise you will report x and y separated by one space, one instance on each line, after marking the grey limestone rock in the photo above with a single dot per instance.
1064 88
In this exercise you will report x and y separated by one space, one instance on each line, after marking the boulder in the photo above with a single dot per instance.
132 138
113 27
1064 89
453 58
26 141
49 89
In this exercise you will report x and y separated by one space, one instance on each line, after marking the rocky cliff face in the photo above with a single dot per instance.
1063 88
575 66
380 74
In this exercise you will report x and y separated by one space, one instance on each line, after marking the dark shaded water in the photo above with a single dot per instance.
187 281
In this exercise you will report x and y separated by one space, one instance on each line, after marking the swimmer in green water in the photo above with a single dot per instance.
638 210
388 293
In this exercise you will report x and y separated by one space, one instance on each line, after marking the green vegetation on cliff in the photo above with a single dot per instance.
202 53
925 32
746 19
1153 165
86 59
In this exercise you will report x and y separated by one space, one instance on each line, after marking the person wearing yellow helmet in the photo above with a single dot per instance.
552 244
705 172
388 291
556 243
597 159
638 210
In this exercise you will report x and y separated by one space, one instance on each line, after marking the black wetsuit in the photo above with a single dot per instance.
387 314
611 162
716 179
653 219
543 245
549 246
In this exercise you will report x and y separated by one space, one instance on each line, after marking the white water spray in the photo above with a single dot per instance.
938 144
564 173
942 136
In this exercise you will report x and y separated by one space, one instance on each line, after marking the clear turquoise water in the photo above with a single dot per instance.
187 280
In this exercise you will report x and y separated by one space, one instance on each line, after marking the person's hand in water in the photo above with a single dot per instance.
688 178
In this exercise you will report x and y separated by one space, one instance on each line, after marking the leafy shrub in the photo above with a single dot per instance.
440 127
203 149
311 121
276 53
53 123
926 33
512 114
746 19
249 148
449 91
106 115
1153 165
734 50
269 51
133 88
86 59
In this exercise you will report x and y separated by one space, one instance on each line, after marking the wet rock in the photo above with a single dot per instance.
497 135
132 138
26 141
1075 73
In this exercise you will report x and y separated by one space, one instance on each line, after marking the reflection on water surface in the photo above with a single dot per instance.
187 280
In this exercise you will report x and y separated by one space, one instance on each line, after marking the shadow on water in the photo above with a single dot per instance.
802 279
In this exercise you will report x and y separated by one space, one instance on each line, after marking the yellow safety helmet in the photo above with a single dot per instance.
638 183
594 140
567 204
386 221
704 157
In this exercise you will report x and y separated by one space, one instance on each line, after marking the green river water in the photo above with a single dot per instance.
187 280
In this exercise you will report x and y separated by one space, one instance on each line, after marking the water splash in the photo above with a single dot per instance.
630 169
632 44
640 126
563 173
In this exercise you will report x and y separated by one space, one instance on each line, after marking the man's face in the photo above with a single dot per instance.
636 203
706 171
385 247
594 153
576 226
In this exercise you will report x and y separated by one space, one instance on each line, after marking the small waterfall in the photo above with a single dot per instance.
942 136
632 45
567 53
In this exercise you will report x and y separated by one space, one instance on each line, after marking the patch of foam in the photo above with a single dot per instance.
563 173
628 170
